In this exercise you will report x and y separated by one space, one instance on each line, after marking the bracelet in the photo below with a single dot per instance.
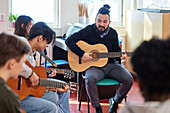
31 74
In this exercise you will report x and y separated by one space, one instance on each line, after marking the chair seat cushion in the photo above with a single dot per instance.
58 62
107 82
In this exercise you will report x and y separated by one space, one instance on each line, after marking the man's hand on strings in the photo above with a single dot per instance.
124 56
86 57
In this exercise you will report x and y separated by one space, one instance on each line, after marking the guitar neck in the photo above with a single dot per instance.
54 64
52 83
66 72
113 54
59 71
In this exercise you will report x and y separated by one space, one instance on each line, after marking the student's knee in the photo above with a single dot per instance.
68 93
55 98
90 79
129 79
52 108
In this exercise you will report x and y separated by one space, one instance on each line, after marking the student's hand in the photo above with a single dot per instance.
124 56
53 73
86 57
51 89
64 90
34 79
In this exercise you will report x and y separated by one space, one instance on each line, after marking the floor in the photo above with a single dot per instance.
133 96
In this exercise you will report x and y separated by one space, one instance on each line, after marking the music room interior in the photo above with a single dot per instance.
134 20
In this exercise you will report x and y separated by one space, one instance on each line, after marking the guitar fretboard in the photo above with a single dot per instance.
65 72
45 82
59 71
113 54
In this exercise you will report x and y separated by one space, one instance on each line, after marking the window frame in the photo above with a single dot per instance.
56 23
120 17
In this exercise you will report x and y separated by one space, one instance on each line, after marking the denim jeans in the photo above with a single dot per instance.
115 71
64 102
50 102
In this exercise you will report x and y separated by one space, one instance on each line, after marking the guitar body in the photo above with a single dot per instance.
25 88
73 59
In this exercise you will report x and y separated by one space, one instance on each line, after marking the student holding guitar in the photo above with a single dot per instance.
40 35
101 33
12 56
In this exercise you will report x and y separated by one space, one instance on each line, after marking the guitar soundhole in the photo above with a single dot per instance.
94 55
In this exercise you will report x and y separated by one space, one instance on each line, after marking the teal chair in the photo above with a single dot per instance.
107 82
58 62
103 82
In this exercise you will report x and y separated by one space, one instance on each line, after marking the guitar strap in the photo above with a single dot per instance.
28 64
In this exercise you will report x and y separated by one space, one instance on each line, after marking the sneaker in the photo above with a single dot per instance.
113 106
99 109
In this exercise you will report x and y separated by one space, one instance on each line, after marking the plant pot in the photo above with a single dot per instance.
13 23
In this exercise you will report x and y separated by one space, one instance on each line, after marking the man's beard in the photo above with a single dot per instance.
101 31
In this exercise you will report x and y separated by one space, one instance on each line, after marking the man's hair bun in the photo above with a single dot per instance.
104 10
106 6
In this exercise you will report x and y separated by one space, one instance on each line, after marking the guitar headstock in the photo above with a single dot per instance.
69 73
74 87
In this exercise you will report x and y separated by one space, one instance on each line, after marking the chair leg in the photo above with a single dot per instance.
125 99
88 104
82 85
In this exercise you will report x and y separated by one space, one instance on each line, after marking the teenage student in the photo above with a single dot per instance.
12 57
40 36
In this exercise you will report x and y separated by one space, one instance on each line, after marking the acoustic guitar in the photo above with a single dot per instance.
100 56
23 88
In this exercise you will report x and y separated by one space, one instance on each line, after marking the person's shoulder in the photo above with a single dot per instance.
113 30
88 27
24 40
9 99
7 93
160 107
132 108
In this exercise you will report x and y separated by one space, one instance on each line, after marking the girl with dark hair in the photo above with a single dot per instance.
23 25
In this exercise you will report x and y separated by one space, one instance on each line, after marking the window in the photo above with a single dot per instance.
116 10
39 10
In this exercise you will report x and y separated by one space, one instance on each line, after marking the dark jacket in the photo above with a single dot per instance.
90 35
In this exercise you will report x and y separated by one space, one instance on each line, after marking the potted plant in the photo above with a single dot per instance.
13 18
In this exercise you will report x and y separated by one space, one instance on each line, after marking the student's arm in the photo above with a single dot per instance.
64 89
28 73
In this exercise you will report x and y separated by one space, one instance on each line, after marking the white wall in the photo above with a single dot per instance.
69 13
4 10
